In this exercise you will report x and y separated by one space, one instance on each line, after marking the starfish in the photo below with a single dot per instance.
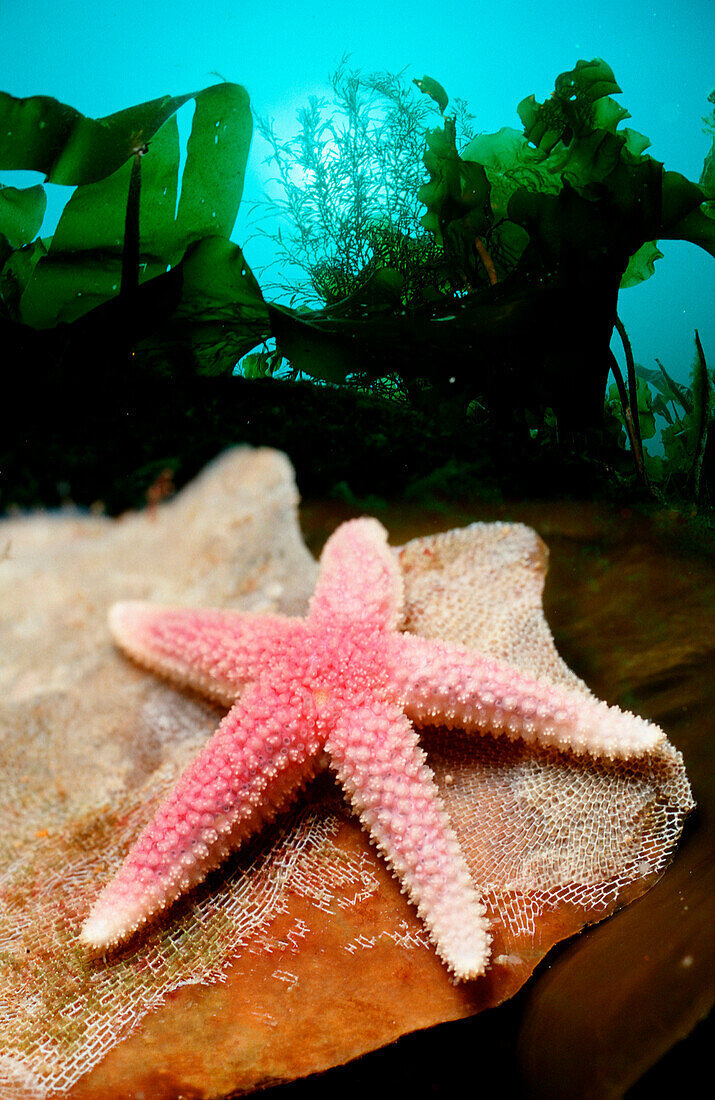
342 688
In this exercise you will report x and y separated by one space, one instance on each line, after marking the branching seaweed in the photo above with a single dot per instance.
347 202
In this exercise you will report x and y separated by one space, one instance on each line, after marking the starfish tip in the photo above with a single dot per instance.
124 617
101 931
112 920
471 961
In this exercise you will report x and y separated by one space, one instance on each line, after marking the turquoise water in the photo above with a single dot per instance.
103 57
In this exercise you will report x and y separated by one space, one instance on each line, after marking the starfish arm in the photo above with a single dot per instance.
384 772
360 579
254 765
213 651
448 685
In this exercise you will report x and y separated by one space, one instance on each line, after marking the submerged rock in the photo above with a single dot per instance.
300 953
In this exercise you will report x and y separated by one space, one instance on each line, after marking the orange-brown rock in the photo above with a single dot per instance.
302 954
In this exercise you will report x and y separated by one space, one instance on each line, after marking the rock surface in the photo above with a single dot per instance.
307 925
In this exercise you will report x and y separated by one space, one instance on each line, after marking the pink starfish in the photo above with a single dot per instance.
343 687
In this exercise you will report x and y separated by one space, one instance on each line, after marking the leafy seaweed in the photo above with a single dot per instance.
574 181
80 265
686 439
21 214
535 234
125 228
434 90
43 135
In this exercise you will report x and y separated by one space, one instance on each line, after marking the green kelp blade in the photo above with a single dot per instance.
216 158
609 221
592 158
457 193
218 316
466 341
687 213
431 87
509 161
203 314
21 213
380 293
442 162
312 350
222 314
641 265
707 176
607 114
83 265
636 143
667 386
43 135
35 133
589 80
680 197
120 324
646 416
544 123
93 218
330 347
257 364
17 267
698 227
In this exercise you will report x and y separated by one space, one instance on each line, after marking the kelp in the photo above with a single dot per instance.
629 400
21 213
123 218
41 134
108 326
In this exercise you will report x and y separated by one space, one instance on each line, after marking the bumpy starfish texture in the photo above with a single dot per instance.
345 688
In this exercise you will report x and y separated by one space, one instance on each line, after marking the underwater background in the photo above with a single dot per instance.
471 409
457 263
